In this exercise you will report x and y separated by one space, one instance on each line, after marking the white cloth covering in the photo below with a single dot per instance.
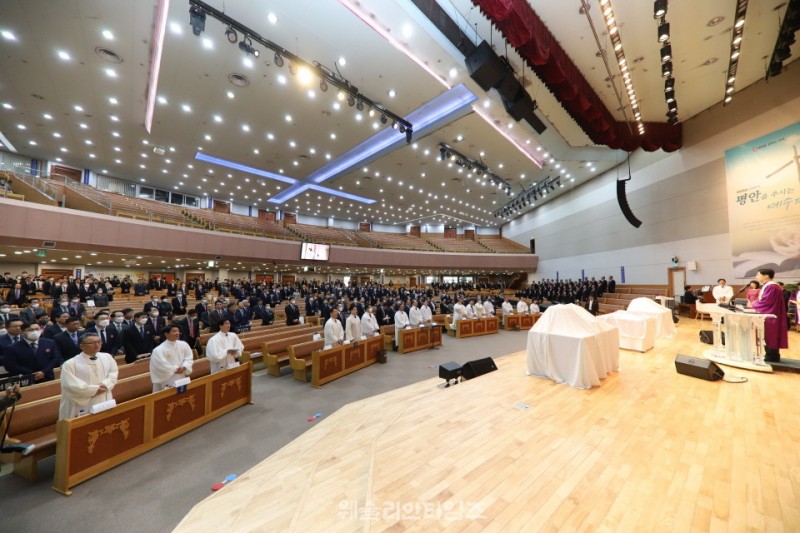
568 345
369 325
217 350
80 379
334 334
636 331
352 331
665 327
400 322
165 360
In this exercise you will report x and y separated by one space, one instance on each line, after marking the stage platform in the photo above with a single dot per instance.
647 450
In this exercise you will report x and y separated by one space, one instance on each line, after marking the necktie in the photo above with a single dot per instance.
191 328
34 347
75 339
141 331
103 335
5 318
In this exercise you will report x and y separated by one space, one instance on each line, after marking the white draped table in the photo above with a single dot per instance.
637 331
568 345
665 327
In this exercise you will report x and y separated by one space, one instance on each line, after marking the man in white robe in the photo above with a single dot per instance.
480 312
522 307
488 307
459 313
352 329
471 313
401 322
507 308
171 360
425 313
534 307
334 334
86 379
224 348
369 324
414 315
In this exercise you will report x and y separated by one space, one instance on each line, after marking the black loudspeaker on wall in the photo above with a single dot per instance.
533 246
698 368
478 367
622 199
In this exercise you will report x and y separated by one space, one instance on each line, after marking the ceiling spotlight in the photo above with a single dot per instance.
197 18
666 69
402 128
360 105
230 33
666 53
673 120
351 101
659 9
669 84
278 60
383 119
670 95
394 124
323 85
663 32
246 46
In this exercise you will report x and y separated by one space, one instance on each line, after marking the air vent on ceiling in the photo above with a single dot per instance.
108 55
49 244
240 80
159 150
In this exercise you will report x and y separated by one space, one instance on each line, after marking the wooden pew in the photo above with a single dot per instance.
388 337
300 358
517 322
275 353
477 326
258 330
414 339
327 365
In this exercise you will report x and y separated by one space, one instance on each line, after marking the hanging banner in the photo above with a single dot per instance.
763 178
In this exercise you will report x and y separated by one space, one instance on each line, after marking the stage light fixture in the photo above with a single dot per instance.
360 106
351 101
384 119
230 33
670 95
197 18
666 69
669 84
663 32
278 60
246 46
666 53
402 129
659 8
323 85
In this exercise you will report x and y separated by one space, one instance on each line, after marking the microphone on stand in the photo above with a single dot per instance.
742 289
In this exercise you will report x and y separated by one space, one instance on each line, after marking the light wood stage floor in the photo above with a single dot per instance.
648 450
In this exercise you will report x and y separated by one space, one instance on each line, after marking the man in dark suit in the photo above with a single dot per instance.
215 316
612 285
172 288
32 355
292 313
592 305
153 303
138 341
16 296
179 303
190 329
67 340
140 289
6 315
157 321
12 335
107 333
33 312
264 313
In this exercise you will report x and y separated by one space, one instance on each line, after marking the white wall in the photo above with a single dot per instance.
680 197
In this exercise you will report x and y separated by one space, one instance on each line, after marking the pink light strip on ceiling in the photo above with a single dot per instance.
159 31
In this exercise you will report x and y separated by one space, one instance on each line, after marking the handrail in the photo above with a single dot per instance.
36 183
82 190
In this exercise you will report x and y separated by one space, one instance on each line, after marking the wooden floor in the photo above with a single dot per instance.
649 450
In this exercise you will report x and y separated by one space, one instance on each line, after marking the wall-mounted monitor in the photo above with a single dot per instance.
314 252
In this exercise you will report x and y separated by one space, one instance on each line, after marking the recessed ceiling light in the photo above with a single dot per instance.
288 118
246 127
32 143
333 136
230 94
63 55
113 101
162 100
217 118
7 105
342 61
175 28
21 126
272 18
108 35
392 93
7 35
78 108
208 44
453 72
186 108
115 134
111 73
114 118
270 136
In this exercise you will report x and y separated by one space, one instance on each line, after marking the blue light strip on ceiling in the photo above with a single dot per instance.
201 156
354 197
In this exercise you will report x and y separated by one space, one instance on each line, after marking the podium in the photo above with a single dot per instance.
744 338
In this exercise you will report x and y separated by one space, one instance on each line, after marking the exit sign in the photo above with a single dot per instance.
41 253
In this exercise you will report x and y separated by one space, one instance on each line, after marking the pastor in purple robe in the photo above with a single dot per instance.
770 301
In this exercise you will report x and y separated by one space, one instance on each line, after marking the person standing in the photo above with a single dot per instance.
334 334
770 301
32 355
86 379
369 324
353 325
171 360
292 313
224 348
592 306
723 293
414 315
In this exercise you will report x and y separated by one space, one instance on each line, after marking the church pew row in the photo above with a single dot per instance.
254 345
254 332
275 352
35 422
88 446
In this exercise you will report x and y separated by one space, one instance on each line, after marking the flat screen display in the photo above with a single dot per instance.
314 252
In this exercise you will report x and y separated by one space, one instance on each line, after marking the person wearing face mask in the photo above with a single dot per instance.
138 341
107 333
141 288
400 323
224 348
86 290
171 360
172 288
165 308
16 296
179 303
292 313
33 312
100 297
334 333
352 329
264 312
153 303
32 355
369 324
157 321
414 315
118 322
67 340
10 333
5 313
76 308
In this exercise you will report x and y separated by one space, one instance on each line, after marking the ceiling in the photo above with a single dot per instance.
65 102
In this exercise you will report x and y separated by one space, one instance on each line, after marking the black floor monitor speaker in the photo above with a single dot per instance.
485 67
698 368
478 367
